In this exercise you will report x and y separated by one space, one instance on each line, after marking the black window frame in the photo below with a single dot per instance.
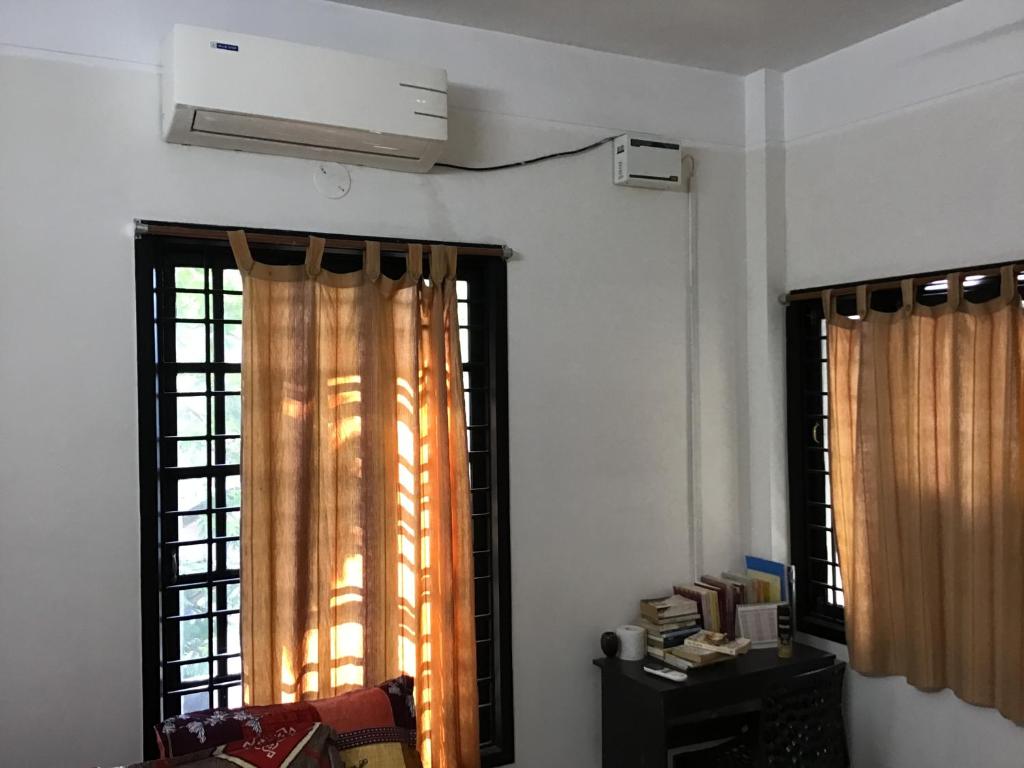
809 514
487 376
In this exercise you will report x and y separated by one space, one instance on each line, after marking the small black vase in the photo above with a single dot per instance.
610 644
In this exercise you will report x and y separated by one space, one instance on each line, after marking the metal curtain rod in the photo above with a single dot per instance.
338 242
919 278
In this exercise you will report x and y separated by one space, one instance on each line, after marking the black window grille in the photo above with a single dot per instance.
819 597
189 348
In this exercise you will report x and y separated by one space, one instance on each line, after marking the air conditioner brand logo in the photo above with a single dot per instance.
223 46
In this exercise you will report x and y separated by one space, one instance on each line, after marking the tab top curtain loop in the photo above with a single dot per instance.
414 265
371 260
954 290
314 255
907 292
1008 290
438 263
453 259
240 248
863 298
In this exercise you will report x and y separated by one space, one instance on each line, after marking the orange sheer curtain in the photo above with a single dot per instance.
928 487
356 538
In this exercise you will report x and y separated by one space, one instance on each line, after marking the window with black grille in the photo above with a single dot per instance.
820 599
813 549
189 348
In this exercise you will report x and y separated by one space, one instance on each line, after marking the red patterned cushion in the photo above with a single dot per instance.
372 715
208 728
308 745
383 714
279 748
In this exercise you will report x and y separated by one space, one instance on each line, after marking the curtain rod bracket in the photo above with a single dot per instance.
784 299
141 228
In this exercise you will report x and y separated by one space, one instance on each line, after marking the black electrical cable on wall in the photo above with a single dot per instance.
531 161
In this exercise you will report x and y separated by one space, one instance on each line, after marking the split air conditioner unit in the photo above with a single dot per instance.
651 163
254 94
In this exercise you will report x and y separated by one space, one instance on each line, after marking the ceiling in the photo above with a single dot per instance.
739 36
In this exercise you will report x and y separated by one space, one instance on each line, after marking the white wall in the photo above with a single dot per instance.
597 320
722 367
906 154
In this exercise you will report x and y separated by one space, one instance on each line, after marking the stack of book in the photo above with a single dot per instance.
668 621
717 597
705 648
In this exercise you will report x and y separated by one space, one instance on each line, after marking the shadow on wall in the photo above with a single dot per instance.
977 40
468 143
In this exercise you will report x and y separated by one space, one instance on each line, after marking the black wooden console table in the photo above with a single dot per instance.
645 717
